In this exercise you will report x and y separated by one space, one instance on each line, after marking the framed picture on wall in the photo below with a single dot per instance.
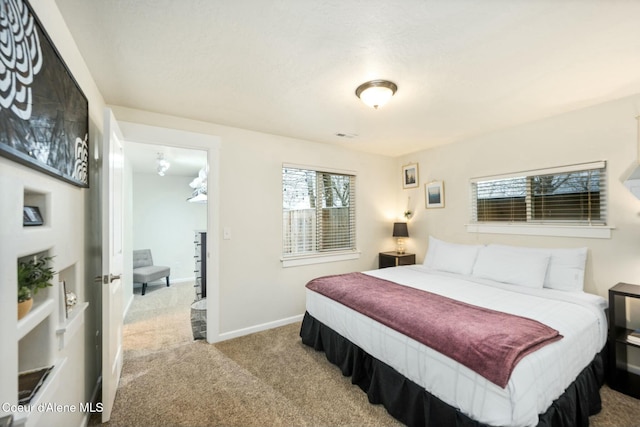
31 216
410 176
434 194
44 114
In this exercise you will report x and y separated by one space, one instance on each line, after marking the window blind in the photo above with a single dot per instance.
573 194
318 211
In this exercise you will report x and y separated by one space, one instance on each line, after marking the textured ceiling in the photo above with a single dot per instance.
184 162
290 67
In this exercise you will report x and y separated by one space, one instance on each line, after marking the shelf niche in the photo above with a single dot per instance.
42 202
43 296
36 328
34 348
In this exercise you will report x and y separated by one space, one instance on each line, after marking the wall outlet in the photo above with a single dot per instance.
226 233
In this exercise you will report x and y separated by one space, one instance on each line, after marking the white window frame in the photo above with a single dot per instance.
324 256
595 231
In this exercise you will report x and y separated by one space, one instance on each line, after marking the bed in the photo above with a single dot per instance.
556 384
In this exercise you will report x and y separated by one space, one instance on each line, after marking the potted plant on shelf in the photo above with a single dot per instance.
33 275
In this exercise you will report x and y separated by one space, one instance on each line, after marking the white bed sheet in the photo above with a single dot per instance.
537 380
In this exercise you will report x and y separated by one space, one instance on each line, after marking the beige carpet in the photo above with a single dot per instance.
265 379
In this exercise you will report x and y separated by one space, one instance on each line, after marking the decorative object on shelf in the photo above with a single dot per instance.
31 216
410 176
434 194
33 274
24 307
376 93
400 231
71 299
408 213
30 382
44 113
64 309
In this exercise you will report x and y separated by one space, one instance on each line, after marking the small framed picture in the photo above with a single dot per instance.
434 194
410 176
31 216
64 310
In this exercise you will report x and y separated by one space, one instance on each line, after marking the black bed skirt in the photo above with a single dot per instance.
414 406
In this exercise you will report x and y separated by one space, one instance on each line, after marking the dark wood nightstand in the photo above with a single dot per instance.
620 378
393 259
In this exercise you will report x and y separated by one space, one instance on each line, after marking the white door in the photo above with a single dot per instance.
112 298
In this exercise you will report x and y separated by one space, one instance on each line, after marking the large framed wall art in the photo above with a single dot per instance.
44 116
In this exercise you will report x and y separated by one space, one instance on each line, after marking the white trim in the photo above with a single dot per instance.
318 258
137 132
128 307
93 400
182 280
585 231
259 328
600 164
71 325
46 394
319 169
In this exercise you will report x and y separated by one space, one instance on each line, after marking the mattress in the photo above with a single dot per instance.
537 380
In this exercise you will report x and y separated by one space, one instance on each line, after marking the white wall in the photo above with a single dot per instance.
165 222
254 290
127 231
69 235
605 132
253 287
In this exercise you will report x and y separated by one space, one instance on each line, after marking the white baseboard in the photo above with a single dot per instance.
633 369
259 328
128 306
182 280
171 280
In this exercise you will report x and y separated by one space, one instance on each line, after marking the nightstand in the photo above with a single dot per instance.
394 259
620 348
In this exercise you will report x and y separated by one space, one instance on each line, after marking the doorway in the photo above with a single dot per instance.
167 208
184 151
166 211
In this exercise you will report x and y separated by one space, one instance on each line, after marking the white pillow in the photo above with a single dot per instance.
451 257
516 266
566 269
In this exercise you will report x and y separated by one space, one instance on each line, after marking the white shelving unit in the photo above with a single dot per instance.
71 325
38 313
46 336
31 416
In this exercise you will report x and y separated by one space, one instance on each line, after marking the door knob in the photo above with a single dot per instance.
107 278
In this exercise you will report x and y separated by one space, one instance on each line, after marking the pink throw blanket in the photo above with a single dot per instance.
489 342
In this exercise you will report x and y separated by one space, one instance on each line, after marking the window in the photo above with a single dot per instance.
318 211
569 195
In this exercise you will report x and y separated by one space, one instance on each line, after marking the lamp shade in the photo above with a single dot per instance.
400 229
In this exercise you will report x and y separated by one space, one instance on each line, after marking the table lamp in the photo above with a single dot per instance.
400 231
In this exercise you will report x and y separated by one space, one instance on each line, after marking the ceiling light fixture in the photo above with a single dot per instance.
199 186
163 165
376 93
